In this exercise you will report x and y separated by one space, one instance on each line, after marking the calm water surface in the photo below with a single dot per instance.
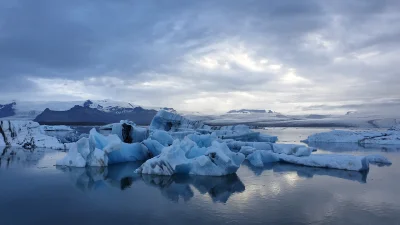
33 191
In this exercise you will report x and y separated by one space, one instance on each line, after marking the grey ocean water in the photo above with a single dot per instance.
33 191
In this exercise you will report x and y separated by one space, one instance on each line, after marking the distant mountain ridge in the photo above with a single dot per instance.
7 110
86 112
250 111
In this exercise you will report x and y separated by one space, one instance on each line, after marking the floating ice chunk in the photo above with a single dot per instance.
378 160
168 121
243 133
335 161
292 149
344 162
237 145
26 134
77 154
259 157
395 128
100 150
182 134
267 138
186 157
2 139
203 140
390 137
97 158
154 147
129 153
55 128
162 137
82 154
128 132
288 149
247 150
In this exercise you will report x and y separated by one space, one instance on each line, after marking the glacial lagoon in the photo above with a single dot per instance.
34 191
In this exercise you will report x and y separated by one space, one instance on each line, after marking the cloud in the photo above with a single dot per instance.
281 55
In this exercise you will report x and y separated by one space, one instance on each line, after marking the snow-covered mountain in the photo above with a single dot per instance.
91 111
7 109
248 111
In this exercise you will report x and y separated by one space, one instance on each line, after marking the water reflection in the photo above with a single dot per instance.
19 157
310 172
346 147
175 187
119 176
180 186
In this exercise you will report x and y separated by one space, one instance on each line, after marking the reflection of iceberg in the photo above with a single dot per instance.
10 156
171 187
310 172
175 187
118 176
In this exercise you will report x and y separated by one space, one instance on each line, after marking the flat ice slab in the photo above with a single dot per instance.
334 161
390 137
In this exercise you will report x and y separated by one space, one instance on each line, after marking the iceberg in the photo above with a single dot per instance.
179 127
100 150
188 157
84 153
390 137
26 134
247 150
288 149
292 149
169 121
334 161
243 133
154 147
162 137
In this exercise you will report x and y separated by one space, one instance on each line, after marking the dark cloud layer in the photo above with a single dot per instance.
202 54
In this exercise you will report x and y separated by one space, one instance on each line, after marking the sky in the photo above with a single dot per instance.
207 56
